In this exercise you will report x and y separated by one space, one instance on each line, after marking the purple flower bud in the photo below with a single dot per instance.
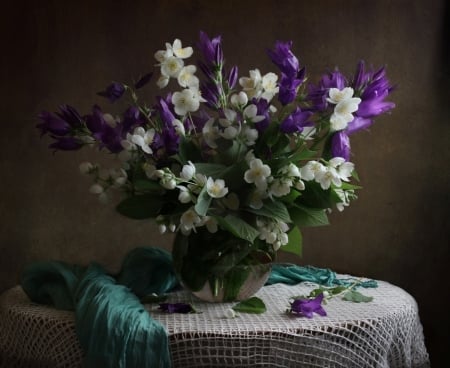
66 144
211 49
288 89
113 92
164 109
340 145
143 80
53 124
232 77
284 59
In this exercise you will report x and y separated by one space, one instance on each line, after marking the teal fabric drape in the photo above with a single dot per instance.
114 329
112 325
293 274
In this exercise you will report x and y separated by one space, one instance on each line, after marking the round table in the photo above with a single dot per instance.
385 332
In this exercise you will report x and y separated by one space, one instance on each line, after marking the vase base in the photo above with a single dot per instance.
255 280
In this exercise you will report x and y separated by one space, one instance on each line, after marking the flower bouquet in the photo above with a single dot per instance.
235 166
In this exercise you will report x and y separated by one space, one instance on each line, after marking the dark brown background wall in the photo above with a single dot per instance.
57 52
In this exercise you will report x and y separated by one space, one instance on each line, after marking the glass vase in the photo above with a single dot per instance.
219 267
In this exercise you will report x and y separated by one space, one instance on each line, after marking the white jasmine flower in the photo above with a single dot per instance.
143 138
162 81
210 133
186 77
230 117
311 170
257 174
162 55
150 170
345 170
269 84
179 127
250 113
239 99
184 196
230 313
328 176
255 199
279 187
250 134
119 177
162 228
171 66
127 143
96 189
86 168
181 52
252 86
342 114
186 101
230 132
188 171
336 95
249 156
216 188
189 220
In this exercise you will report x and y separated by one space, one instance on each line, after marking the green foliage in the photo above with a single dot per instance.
304 216
253 305
357 297
272 209
294 244
238 227
203 202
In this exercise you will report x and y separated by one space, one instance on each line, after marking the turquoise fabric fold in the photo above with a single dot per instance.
114 329
292 274
112 325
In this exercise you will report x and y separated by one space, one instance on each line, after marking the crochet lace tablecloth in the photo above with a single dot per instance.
386 332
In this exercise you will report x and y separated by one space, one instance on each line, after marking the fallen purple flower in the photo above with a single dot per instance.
307 307
176 308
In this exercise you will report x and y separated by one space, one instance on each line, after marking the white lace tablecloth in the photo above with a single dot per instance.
383 333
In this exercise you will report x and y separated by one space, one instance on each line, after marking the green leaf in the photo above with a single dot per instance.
272 209
141 206
357 297
238 227
294 244
142 185
301 155
304 216
188 151
203 202
233 281
314 196
252 305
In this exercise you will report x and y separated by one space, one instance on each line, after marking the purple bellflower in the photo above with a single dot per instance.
296 121
62 127
291 74
113 92
340 145
176 308
307 307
